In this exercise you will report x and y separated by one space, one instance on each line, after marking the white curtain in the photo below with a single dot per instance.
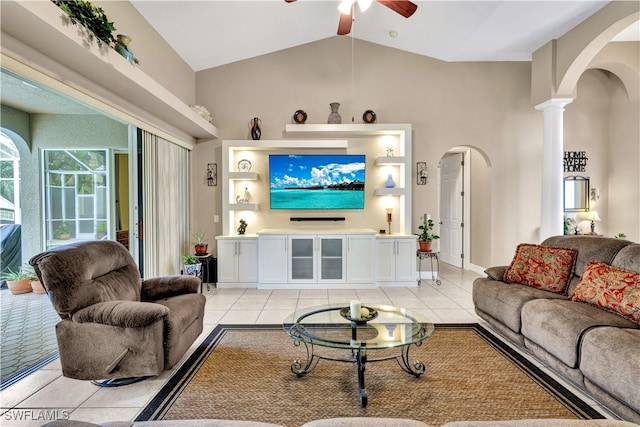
165 193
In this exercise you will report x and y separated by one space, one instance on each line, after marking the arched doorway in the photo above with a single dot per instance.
465 208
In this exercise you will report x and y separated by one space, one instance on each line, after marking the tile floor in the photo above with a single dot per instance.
46 393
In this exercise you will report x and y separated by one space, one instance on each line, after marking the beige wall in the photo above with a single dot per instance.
486 106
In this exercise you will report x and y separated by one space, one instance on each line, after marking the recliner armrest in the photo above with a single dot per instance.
496 273
168 286
125 314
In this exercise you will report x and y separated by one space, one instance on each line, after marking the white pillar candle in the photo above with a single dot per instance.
354 306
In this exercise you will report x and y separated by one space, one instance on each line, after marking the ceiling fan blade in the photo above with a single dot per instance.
403 7
344 26
289 1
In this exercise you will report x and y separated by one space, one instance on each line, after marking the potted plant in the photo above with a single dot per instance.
426 236
36 285
201 245
101 229
18 282
62 231
191 265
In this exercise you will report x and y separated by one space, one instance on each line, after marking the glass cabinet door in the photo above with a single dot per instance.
302 259
331 257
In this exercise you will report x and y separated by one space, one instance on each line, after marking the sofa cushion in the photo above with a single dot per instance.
628 258
557 325
365 422
617 371
610 287
504 302
542 267
590 248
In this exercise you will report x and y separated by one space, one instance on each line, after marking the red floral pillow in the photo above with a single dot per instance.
611 288
543 267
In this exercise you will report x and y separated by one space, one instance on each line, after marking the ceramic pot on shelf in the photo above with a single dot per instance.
334 117
256 132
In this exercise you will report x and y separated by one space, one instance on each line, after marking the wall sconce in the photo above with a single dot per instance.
212 174
421 173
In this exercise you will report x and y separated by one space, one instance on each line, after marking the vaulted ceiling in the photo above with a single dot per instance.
211 33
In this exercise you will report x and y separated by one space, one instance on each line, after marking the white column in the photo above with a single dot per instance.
552 207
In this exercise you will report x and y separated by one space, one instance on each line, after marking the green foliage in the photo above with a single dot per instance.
12 276
620 236
63 228
95 20
200 238
189 259
426 234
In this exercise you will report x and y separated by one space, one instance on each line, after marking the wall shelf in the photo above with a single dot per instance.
243 176
391 191
244 206
390 160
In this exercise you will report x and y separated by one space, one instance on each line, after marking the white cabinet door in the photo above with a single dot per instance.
331 259
360 258
273 258
386 260
228 261
248 261
406 260
237 261
302 259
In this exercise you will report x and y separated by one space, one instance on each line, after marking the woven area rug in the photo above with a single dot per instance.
243 373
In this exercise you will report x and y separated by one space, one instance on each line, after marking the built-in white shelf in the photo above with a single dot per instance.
243 176
390 160
391 191
244 206
286 144
347 129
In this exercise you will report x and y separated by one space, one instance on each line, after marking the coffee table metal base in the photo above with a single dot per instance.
359 357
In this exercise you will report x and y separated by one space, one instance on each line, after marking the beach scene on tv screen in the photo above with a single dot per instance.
317 181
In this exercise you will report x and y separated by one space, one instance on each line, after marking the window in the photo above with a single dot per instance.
9 181
76 195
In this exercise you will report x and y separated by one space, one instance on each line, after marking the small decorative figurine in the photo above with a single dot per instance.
243 227
244 199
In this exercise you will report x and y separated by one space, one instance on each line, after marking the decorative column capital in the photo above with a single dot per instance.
553 104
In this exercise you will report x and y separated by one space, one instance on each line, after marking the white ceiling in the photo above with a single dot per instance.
211 33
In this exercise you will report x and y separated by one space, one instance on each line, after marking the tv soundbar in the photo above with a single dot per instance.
317 218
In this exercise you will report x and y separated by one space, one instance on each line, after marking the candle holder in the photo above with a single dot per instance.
389 211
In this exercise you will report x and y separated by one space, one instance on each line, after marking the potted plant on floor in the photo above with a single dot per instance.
36 285
18 282
62 231
426 235
191 265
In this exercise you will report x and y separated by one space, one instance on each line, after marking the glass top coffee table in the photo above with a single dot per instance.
382 327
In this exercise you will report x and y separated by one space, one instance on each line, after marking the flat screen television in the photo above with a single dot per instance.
316 181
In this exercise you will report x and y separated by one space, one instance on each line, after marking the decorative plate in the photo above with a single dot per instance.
300 116
369 116
244 165
345 312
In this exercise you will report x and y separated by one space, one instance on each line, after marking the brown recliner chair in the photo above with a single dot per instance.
114 324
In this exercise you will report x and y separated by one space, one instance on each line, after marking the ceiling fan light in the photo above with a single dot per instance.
345 7
364 4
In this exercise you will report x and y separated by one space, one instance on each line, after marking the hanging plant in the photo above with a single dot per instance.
95 21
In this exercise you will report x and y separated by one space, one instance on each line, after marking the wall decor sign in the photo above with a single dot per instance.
421 173
212 174
575 161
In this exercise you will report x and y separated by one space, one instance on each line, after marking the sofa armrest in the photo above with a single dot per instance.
496 273
168 286
124 314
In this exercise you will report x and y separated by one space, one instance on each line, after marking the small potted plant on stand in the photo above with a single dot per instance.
18 282
201 245
426 236
192 265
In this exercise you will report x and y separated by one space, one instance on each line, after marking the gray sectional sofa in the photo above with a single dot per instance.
594 348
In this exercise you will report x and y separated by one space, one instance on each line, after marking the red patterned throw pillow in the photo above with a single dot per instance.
612 288
543 267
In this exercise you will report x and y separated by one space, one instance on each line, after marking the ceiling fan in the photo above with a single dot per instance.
403 7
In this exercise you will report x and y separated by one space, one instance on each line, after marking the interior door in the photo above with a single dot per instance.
451 208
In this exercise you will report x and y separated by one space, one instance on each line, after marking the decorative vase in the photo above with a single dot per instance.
201 249
389 183
334 117
255 128
123 47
